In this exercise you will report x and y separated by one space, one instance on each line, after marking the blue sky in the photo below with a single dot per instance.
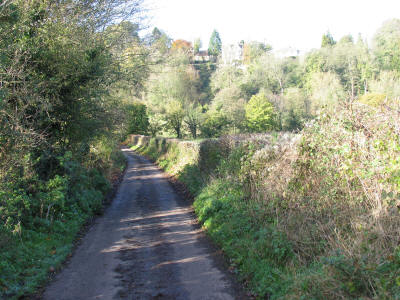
281 23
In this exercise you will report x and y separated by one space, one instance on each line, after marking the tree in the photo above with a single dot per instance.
193 118
386 45
275 69
253 50
156 34
326 90
347 39
131 56
197 45
159 42
230 103
174 115
59 65
366 64
387 83
156 124
214 125
171 88
295 109
137 119
182 45
327 40
260 114
215 44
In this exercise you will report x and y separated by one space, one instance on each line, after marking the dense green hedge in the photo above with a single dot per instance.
40 220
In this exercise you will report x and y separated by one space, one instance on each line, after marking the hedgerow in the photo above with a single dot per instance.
308 216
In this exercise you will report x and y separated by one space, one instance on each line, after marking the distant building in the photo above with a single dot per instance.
287 52
232 54
201 56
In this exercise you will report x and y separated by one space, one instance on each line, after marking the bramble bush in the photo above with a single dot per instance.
335 196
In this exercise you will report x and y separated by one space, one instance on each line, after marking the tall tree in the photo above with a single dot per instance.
346 39
57 69
253 50
386 44
171 89
327 40
182 45
160 42
197 45
215 44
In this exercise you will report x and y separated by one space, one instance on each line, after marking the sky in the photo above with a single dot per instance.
281 23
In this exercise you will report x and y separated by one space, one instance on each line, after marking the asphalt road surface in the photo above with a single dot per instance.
146 246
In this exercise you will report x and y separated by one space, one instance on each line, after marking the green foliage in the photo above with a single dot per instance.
386 45
230 103
256 251
260 114
373 99
170 91
214 125
156 124
347 39
326 91
388 83
40 220
253 50
174 116
296 109
60 125
293 214
205 71
193 119
138 120
215 44
197 45
327 40
160 44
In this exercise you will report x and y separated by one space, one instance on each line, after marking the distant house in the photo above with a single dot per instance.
232 54
201 56
287 52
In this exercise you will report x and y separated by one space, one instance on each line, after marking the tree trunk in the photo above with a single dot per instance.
178 131
194 131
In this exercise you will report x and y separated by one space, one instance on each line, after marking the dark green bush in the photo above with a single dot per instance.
137 119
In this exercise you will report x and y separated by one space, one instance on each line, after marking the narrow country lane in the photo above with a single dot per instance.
146 246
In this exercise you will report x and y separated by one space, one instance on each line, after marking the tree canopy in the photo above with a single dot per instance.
215 44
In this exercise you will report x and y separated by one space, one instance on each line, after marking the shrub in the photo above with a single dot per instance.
260 114
137 119
373 99
215 125
337 190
